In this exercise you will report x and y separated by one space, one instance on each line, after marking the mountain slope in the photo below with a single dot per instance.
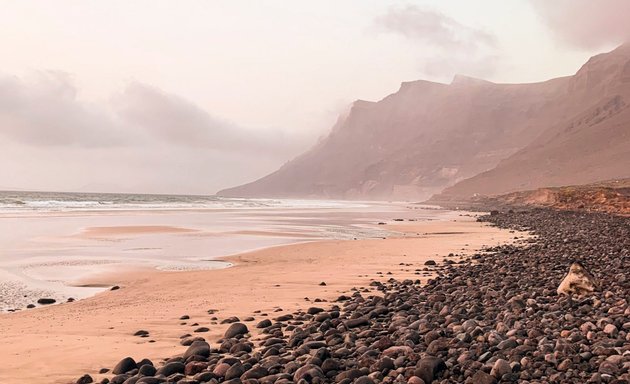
591 144
428 136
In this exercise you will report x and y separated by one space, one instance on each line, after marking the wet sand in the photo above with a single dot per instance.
62 342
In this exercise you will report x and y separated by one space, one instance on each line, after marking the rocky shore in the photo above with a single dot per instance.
489 318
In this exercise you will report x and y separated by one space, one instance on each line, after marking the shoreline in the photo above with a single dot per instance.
261 280
43 255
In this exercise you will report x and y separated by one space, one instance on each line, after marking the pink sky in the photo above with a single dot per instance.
195 96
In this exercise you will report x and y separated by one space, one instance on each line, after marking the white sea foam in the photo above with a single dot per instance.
53 201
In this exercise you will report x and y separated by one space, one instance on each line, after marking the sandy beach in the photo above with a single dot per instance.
62 342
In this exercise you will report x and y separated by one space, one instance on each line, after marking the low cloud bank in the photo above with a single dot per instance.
586 24
143 139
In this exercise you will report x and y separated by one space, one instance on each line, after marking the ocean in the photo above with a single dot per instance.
18 201
53 244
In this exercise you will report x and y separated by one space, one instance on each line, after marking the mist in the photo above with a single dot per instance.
140 139
201 96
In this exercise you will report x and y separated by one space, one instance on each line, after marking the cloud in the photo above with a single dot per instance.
455 47
44 110
142 139
178 121
434 28
586 23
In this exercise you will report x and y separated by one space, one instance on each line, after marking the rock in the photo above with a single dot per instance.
197 348
221 369
85 379
308 372
507 344
480 377
331 365
255 373
151 380
428 368
264 323
114 288
234 372
147 370
46 301
353 323
190 340
125 365
314 310
501 367
611 330
119 379
141 333
195 367
385 363
565 365
578 281
364 380
608 368
236 329
415 380
201 330
204 377
171 368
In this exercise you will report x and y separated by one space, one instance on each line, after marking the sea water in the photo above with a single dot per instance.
48 245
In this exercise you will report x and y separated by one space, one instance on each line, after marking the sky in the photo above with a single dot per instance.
194 96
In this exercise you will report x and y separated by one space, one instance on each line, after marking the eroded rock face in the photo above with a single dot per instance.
577 282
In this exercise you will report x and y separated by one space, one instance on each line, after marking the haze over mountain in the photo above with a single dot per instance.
476 136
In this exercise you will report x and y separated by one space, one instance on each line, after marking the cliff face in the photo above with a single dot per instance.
428 136
590 143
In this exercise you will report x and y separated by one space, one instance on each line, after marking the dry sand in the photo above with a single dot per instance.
57 344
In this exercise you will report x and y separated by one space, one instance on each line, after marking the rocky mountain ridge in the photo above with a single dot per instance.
469 137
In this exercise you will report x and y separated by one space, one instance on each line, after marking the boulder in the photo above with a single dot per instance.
236 329
578 281
125 365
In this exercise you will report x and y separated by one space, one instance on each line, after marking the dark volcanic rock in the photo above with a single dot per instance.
353 323
236 329
198 348
125 365
428 368
171 368
85 379
492 317
45 301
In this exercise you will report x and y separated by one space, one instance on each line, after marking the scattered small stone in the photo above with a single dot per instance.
493 317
